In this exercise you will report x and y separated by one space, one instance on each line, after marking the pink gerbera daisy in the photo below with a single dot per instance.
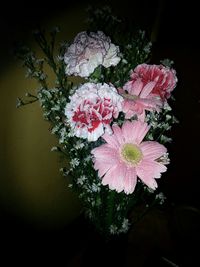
125 157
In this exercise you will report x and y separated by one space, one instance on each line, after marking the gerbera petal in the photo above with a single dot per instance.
103 167
148 170
152 168
147 179
152 150
130 180
118 134
104 151
111 140
151 183
135 131
114 178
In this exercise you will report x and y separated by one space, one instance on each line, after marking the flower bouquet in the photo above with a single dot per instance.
111 121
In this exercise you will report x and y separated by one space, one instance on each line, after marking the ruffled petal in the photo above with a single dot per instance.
147 89
134 88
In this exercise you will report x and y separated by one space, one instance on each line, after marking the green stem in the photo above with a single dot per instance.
22 103
110 209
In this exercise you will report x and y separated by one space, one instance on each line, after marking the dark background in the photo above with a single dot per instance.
176 26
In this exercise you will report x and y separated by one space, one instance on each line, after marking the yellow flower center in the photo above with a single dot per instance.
131 153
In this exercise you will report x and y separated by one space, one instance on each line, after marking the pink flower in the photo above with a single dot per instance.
92 109
125 157
88 51
148 89
138 99
163 79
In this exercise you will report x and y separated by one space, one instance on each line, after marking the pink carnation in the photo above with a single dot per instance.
92 109
138 98
88 51
149 87
163 79
125 157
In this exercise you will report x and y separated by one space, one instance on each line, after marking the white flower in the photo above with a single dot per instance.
79 145
125 225
54 148
113 229
111 58
87 160
92 109
74 162
81 179
88 51
164 159
96 187
161 197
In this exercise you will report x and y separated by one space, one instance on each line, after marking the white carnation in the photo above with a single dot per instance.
88 51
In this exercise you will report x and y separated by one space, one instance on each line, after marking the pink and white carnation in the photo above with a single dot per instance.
91 110
88 51
163 79
126 157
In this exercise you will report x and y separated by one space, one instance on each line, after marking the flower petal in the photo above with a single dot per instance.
147 89
134 131
130 180
111 140
148 170
104 151
118 134
152 150
114 178
103 167
133 87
